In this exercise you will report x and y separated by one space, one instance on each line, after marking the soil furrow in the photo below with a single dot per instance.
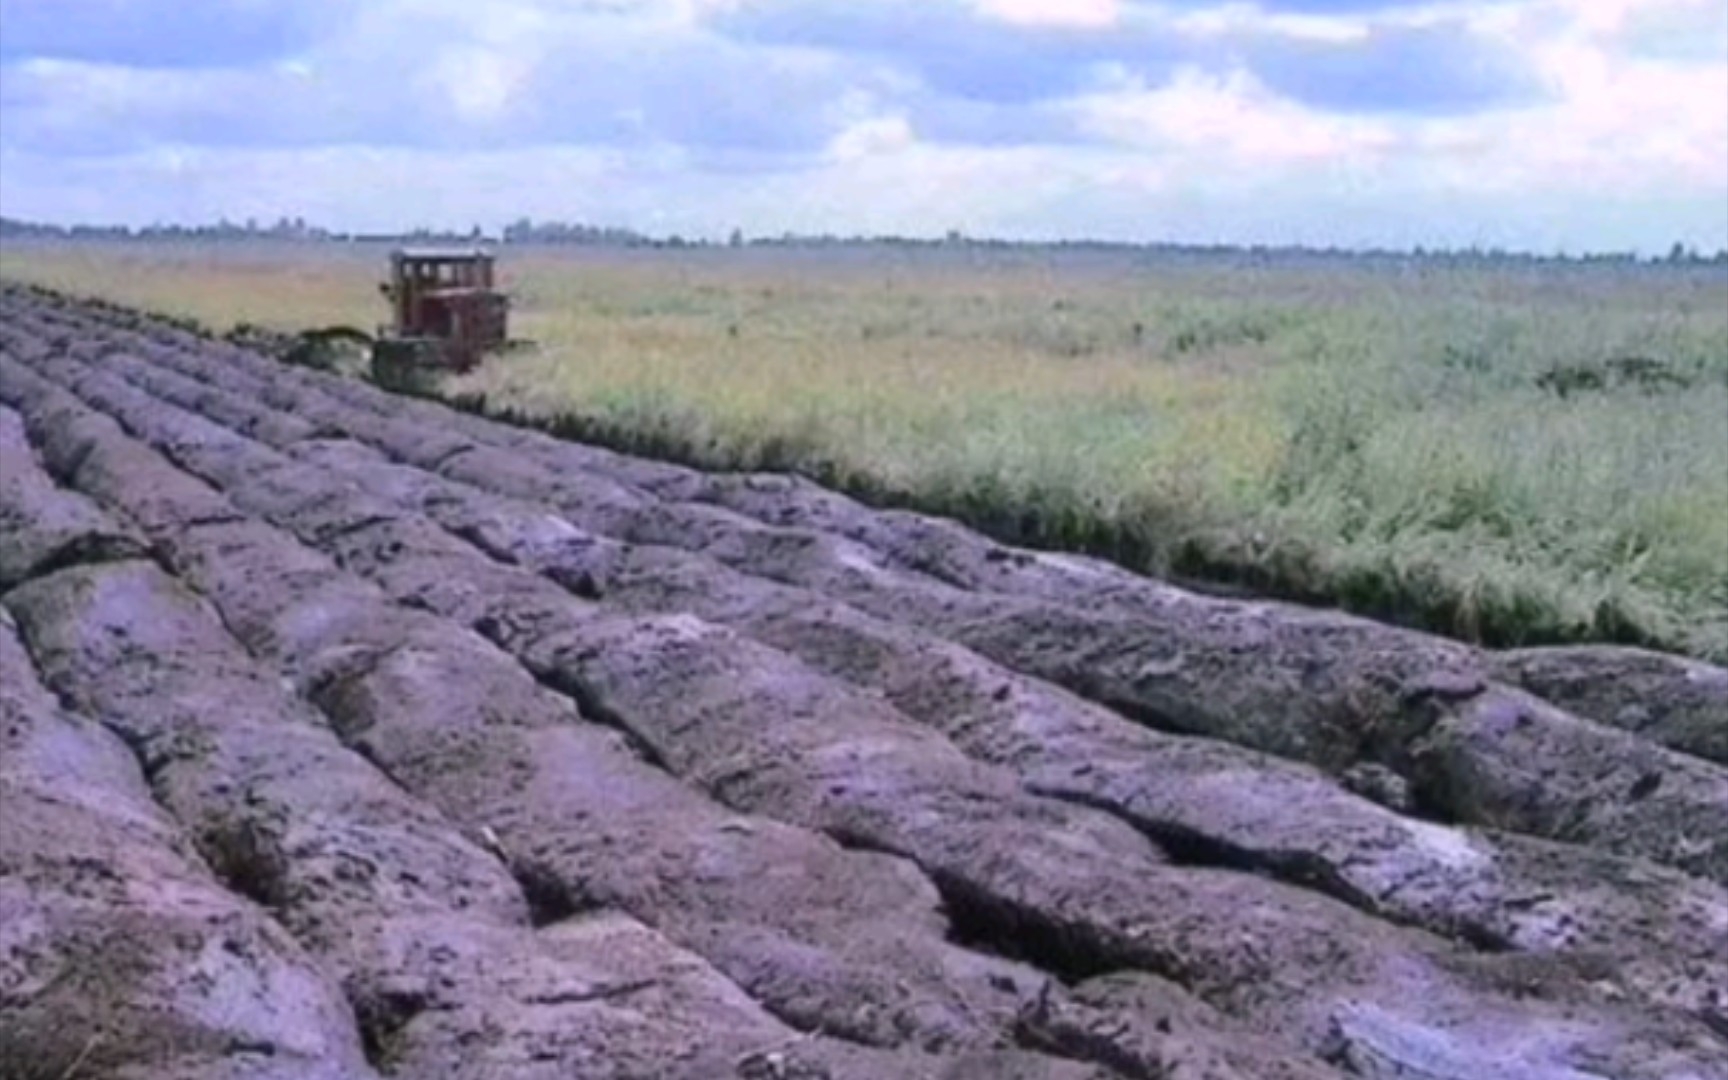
1683 705
1312 688
871 888
120 955
1316 687
761 723
43 527
1678 703
444 971
762 731
372 885
1667 699
1211 802
844 942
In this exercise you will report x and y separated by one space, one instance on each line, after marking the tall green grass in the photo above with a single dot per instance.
1428 470
1391 438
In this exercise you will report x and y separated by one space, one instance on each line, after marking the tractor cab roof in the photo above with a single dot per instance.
441 255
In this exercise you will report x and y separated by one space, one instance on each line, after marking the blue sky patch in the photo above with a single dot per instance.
166 33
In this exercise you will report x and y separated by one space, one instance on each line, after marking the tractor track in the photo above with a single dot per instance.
427 746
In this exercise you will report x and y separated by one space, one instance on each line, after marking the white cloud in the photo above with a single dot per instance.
871 138
637 112
482 83
1617 122
1235 19
1074 13
1615 126
1226 120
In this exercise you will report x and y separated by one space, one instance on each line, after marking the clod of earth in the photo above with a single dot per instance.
440 748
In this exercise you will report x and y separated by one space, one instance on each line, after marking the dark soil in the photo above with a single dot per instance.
433 747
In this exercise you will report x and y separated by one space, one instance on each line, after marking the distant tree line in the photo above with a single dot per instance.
527 231
284 229
288 229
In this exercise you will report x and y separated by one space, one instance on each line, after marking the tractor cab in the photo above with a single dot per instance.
446 310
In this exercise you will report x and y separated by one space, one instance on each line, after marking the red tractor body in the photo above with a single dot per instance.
446 309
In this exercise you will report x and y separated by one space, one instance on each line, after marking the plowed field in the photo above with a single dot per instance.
347 735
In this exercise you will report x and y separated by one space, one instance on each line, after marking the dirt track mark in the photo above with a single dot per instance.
654 659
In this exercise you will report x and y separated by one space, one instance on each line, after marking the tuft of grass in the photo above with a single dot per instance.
1394 440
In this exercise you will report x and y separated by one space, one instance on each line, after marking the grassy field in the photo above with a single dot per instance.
1507 455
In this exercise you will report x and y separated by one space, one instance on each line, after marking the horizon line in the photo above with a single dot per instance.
584 234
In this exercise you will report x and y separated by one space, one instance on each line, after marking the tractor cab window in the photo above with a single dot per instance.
445 272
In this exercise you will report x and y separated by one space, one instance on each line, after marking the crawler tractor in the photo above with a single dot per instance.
446 315
446 311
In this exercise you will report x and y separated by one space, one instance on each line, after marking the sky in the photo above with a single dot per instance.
1555 126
